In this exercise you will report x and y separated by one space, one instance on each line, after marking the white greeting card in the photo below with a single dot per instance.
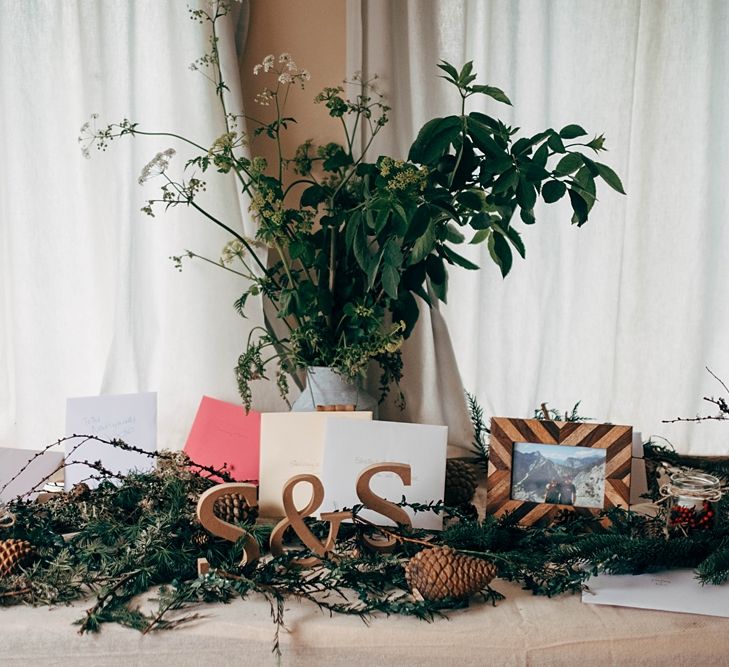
128 417
12 461
350 447
292 443
672 590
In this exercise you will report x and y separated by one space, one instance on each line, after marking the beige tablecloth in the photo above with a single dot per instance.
520 630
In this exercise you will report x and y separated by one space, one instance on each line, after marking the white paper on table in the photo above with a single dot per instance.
128 417
350 447
672 590
13 460
292 443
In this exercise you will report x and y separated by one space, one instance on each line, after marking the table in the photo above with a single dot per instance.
520 630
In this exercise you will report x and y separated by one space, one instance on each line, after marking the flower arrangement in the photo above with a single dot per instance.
351 240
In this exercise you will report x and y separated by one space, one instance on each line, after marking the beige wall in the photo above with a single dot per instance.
313 32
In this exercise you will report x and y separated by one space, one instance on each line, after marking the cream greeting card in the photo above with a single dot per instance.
350 447
292 443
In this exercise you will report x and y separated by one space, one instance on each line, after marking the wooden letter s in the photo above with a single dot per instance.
374 502
220 528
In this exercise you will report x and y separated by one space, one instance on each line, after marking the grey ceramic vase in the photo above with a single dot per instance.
324 386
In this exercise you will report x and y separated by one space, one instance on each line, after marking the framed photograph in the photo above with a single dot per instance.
538 468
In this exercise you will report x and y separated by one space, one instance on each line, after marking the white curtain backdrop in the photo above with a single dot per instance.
625 313
89 301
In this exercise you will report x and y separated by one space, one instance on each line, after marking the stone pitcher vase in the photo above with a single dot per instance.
324 386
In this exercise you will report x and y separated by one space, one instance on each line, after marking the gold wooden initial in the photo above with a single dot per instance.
374 502
295 519
220 528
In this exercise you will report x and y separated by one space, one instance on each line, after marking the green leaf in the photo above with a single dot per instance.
313 196
480 221
381 220
540 155
361 250
418 224
390 280
372 268
553 191
466 74
480 236
392 255
555 143
500 252
435 269
493 92
439 289
338 158
433 139
473 199
402 216
527 216
453 234
572 132
481 135
516 241
449 70
423 246
610 177
579 206
526 194
454 258
591 166
507 181
351 227
568 164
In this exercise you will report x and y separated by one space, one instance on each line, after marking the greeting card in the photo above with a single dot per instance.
292 443
128 417
350 447
223 434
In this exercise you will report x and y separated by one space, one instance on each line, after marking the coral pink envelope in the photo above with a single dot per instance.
223 433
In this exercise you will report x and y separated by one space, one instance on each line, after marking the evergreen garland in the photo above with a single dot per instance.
136 533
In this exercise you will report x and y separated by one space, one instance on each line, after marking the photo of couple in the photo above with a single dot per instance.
558 474
560 492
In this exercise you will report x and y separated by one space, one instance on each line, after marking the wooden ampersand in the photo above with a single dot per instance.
227 531
374 502
295 519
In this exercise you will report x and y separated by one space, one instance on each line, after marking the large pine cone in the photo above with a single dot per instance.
12 553
460 482
441 572
233 508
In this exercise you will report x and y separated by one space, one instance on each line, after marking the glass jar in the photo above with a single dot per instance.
691 496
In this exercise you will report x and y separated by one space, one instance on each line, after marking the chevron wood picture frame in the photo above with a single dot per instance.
538 468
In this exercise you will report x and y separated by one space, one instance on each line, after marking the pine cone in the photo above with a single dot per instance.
460 482
441 572
200 539
12 553
79 491
233 508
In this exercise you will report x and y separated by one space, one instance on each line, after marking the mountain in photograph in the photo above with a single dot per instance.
532 471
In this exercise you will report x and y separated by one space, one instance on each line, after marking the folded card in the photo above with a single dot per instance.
292 443
40 467
672 590
350 447
128 417
224 435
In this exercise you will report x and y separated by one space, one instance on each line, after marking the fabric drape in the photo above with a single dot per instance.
625 313
89 300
